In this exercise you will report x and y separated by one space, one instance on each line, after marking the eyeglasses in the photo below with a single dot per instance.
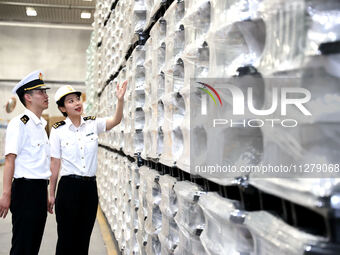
41 91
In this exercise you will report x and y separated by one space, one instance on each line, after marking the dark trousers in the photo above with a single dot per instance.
76 209
29 212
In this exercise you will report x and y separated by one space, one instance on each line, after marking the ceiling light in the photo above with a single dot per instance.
85 15
31 11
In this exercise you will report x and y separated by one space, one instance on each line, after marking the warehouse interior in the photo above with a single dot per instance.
54 41
278 188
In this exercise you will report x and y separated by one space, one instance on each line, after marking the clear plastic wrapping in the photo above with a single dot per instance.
189 215
174 114
309 192
189 244
270 235
307 25
133 242
314 141
325 24
133 245
189 219
183 66
106 177
292 35
158 33
202 219
135 119
169 232
139 118
155 84
149 110
224 232
235 45
139 16
169 236
147 135
153 196
208 39
168 203
152 6
115 33
197 20
153 246
142 211
226 145
183 160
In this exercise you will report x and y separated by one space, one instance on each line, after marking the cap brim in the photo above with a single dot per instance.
69 93
73 92
42 88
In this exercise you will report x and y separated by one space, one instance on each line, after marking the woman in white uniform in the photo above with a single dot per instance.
74 145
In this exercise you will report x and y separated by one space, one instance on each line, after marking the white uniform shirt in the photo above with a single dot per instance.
27 138
77 146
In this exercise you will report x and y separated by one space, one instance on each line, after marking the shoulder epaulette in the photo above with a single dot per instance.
24 119
90 118
58 124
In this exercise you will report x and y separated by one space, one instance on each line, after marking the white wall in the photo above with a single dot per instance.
59 52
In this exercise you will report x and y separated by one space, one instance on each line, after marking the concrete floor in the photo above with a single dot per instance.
97 246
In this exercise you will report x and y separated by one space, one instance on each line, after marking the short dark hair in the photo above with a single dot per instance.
22 96
61 103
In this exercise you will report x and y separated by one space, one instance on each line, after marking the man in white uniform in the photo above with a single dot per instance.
27 161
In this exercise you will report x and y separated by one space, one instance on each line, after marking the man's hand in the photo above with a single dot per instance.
50 205
5 202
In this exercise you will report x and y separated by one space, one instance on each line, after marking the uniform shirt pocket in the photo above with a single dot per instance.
91 143
37 145
36 149
68 148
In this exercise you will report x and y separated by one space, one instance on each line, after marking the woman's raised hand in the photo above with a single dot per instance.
120 91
